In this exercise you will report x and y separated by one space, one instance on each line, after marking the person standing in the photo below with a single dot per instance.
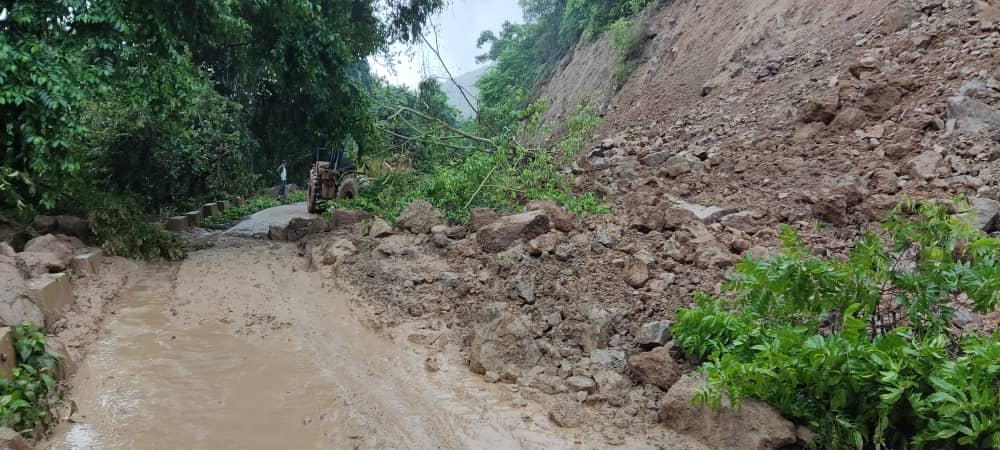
283 173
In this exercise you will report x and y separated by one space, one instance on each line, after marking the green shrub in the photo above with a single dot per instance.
862 349
626 40
31 391
124 232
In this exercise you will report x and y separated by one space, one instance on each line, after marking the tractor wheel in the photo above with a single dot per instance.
348 188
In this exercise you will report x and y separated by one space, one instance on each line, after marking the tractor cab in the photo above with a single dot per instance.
332 179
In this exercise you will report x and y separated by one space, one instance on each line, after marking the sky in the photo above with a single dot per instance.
458 27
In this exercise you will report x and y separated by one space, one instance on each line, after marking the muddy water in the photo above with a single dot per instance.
241 348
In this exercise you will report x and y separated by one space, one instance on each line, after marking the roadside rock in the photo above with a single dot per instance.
594 333
578 383
301 227
420 217
66 357
277 233
924 166
10 440
984 214
15 307
680 164
822 109
654 334
501 339
756 425
561 219
655 159
379 228
566 413
637 271
972 115
6 250
656 367
509 230
347 217
33 264
61 246
481 217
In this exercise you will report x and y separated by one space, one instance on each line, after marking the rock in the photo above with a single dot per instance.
526 291
655 159
396 245
73 226
87 264
605 239
346 217
756 425
209 209
15 306
743 221
481 217
656 367
849 119
896 19
983 214
593 335
420 217
972 115
379 229
178 223
705 214
561 219
44 224
924 166
10 440
899 150
647 219
509 230
276 233
337 251
822 109
654 334
880 98
680 164
566 413
578 383
300 227
502 338
53 293
440 240
67 358
637 271
606 357
8 358
7 250
51 243
830 208
33 264
884 181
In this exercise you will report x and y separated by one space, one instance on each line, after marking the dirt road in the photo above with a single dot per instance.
240 346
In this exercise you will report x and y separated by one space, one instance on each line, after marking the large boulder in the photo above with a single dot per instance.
654 334
502 339
420 217
60 245
561 219
656 367
6 250
754 426
32 264
972 115
924 166
73 226
509 230
481 217
53 293
984 214
15 307
67 358
379 229
593 334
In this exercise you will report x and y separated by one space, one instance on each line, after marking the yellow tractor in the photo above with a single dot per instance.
334 179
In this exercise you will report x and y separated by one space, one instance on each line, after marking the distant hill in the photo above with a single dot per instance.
467 81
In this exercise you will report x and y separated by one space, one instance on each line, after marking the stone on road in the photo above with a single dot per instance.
258 224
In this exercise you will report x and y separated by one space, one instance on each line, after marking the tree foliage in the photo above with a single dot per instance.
170 101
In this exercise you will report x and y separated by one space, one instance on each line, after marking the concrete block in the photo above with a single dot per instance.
194 218
52 293
223 205
8 358
87 264
209 209
178 223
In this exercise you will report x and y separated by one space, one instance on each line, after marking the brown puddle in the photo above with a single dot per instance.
238 349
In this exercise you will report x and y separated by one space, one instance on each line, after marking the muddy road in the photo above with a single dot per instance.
241 347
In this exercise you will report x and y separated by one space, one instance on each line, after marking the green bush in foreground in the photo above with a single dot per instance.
862 350
31 391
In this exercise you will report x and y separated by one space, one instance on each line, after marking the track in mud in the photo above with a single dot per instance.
239 347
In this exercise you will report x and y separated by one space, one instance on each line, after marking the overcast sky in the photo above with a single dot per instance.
458 28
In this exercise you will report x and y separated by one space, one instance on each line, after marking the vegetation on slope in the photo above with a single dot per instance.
863 350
